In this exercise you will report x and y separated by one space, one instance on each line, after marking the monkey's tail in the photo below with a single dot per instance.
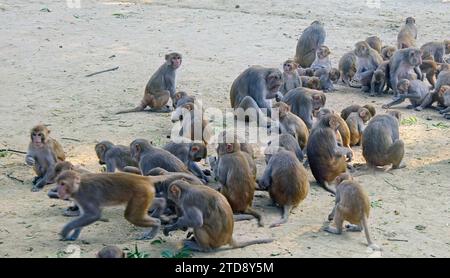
256 214
136 109
327 188
242 217
235 244
366 230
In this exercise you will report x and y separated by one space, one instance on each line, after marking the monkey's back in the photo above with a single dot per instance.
161 158
156 81
381 132
300 103
218 222
242 85
325 164
355 201
290 183
57 147
347 63
312 37
240 184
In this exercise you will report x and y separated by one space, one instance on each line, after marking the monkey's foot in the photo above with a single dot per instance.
71 211
418 108
353 228
402 165
36 188
149 235
331 230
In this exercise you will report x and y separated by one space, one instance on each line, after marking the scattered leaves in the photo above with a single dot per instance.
160 240
441 125
420 227
409 121
376 203
136 254
47 10
183 253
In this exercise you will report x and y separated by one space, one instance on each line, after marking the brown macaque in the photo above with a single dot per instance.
114 156
442 97
194 124
161 86
304 103
347 67
381 143
368 61
356 122
237 179
287 182
311 82
253 87
429 70
305 72
387 52
343 130
189 153
291 79
326 159
110 252
414 90
405 64
435 51
353 205
380 80
208 213
292 124
309 42
322 60
375 43
287 142
355 107
327 78
408 34
150 157
443 77
43 153
182 98
93 191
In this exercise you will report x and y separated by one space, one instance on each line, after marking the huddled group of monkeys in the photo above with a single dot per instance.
166 186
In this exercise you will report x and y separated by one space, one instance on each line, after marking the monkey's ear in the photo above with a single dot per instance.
176 191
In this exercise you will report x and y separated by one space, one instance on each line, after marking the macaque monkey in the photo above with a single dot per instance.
93 191
110 252
343 130
375 43
356 123
292 124
161 86
347 67
404 64
435 51
322 60
368 61
355 107
182 98
309 42
408 34
414 90
387 52
286 180
208 213
43 153
114 156
352 205
429 69
311 82
291 79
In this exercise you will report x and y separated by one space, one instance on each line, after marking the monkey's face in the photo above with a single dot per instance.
39 137
317 101
197 152
313 83
68 182
176 61
415 57
323 52
364 114
335 74
282 107
403 86
274 80
289 66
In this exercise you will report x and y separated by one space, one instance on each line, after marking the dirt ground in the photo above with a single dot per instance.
45 55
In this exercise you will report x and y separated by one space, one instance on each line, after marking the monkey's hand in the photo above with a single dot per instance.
278 96
419 108
168 228
29 160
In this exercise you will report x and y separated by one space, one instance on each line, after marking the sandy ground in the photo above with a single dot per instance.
44 59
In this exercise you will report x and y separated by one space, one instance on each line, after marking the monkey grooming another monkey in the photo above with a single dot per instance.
208 213
408 34
354 108
404 64
356 123
93 191
43 153
347 67
368 61
352 205
380 80
435 51
182 98
429 69
310 82
309 42
442 97
414 90
291 79
114 156
375 43
110 252
327 78
161 86
286 180
189 153
322 60
292 124
289 143
326 159
381 143
344 131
